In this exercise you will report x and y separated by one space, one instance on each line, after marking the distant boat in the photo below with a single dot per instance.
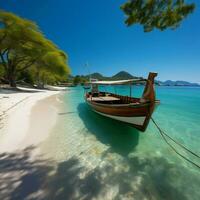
133 111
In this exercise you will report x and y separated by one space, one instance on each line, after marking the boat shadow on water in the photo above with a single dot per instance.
121 138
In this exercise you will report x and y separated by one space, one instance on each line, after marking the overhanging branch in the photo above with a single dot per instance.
26 66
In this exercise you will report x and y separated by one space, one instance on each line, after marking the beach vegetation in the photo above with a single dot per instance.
159 14
23 47
80 80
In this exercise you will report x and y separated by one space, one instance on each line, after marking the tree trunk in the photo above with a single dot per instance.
11 76
11 79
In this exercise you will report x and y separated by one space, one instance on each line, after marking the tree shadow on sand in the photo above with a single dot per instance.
121 138
143 178
23 178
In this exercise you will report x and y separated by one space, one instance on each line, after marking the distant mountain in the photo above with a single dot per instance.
178 83
97 76
122 75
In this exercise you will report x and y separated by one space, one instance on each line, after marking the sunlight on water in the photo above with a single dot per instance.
119 162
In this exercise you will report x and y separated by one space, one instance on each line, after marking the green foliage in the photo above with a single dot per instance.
2 71
80 80
23 46
26 76
160 14
58 59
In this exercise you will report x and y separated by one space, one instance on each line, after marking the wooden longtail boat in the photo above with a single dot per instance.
133 111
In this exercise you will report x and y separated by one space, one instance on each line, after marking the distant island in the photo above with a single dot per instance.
123 75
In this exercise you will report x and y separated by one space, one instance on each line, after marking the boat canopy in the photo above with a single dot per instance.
119 82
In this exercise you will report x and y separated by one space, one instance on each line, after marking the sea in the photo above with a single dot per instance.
99 158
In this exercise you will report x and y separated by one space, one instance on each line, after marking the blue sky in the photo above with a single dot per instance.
93 31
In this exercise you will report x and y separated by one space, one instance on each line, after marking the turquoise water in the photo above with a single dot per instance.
105 159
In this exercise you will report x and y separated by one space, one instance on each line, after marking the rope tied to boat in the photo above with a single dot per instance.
164 135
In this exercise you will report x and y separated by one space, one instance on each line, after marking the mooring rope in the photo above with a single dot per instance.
164 135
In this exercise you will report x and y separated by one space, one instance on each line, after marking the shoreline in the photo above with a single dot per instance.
26 118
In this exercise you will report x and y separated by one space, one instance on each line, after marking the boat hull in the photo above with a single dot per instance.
136 116
139 121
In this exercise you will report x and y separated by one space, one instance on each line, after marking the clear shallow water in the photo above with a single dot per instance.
104 159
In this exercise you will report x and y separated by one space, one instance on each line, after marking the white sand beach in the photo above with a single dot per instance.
18 127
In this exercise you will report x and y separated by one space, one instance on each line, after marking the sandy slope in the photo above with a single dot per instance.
20 125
